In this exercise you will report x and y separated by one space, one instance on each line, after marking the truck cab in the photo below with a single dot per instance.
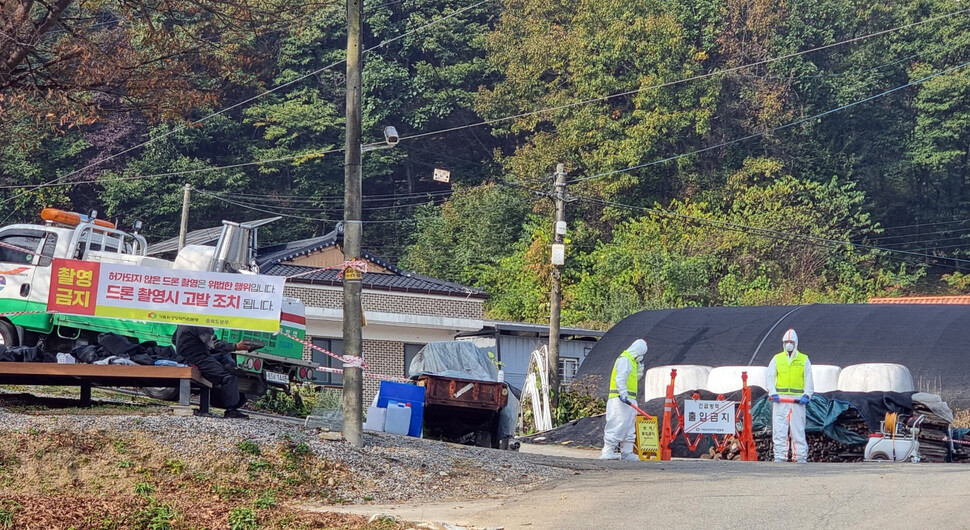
27 252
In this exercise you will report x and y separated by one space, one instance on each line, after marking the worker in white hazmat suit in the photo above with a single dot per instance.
620 416
790 375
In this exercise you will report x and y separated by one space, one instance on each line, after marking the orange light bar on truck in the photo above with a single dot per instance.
69 218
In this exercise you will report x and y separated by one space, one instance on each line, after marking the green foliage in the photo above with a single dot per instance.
243 518
156 516
7 510
577 402
144 489
299 402
248 447
266 500
174 466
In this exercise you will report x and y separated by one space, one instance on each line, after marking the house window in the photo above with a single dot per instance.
568 366
410 352
332 345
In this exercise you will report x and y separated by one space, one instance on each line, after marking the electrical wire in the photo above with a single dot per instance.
687 79
301 217
773 129
767 232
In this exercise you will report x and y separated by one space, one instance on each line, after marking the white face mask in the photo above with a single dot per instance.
789 347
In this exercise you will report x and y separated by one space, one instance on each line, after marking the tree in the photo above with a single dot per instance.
71 60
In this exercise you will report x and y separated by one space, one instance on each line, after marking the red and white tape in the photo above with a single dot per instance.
346 359
14 247
366 374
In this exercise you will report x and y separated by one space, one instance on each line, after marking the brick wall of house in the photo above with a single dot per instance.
385 358
332 297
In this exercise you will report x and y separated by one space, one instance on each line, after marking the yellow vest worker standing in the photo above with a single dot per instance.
790 375
620 417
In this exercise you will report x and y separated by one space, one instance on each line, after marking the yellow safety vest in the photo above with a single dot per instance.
790 378
631 380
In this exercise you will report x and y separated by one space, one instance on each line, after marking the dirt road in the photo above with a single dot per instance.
717 494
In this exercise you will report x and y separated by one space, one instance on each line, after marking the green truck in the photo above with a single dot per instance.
27 252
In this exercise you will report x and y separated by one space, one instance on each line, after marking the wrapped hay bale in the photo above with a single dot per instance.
689 377
875 377
826 377
724 379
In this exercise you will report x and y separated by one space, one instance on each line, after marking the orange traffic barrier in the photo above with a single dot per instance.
744 436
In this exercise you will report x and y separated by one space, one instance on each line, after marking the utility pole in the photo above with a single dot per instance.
352 311
555 297
184 229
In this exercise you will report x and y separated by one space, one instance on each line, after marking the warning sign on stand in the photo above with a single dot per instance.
714 417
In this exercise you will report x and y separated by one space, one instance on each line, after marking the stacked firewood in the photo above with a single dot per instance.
731 451
821 448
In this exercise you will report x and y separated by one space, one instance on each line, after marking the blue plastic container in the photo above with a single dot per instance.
392 392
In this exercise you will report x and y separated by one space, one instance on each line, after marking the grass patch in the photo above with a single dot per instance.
243 518
247 447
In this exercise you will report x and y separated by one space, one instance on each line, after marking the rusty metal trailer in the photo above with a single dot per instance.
464 410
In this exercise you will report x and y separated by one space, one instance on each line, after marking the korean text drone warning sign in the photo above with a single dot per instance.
197 298
714 417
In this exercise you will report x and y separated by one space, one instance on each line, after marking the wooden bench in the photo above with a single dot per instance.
86 375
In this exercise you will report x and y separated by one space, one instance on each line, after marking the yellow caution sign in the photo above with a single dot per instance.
351 273
648 438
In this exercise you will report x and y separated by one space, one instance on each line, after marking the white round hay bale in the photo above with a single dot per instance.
876 377
724 379
689 377
825 377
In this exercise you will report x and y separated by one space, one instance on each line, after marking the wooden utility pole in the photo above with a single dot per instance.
555 297
184 228
352 311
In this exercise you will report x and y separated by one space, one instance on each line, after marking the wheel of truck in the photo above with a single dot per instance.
8 335
164 393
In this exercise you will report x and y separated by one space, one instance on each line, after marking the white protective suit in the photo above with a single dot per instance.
787 417
621 418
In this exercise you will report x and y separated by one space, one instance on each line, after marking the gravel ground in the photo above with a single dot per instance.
387 469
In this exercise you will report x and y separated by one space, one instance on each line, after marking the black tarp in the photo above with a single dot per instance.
933 341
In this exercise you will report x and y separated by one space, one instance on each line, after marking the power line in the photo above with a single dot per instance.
778 128
301 217
253 98
766 232
281 207
687 79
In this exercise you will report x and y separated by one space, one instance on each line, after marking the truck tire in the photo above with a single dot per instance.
8 335
161 392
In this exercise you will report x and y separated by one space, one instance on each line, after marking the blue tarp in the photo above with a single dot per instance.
820 417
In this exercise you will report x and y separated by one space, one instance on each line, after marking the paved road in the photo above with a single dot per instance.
693 494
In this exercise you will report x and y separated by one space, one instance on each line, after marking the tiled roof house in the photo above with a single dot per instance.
402 310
